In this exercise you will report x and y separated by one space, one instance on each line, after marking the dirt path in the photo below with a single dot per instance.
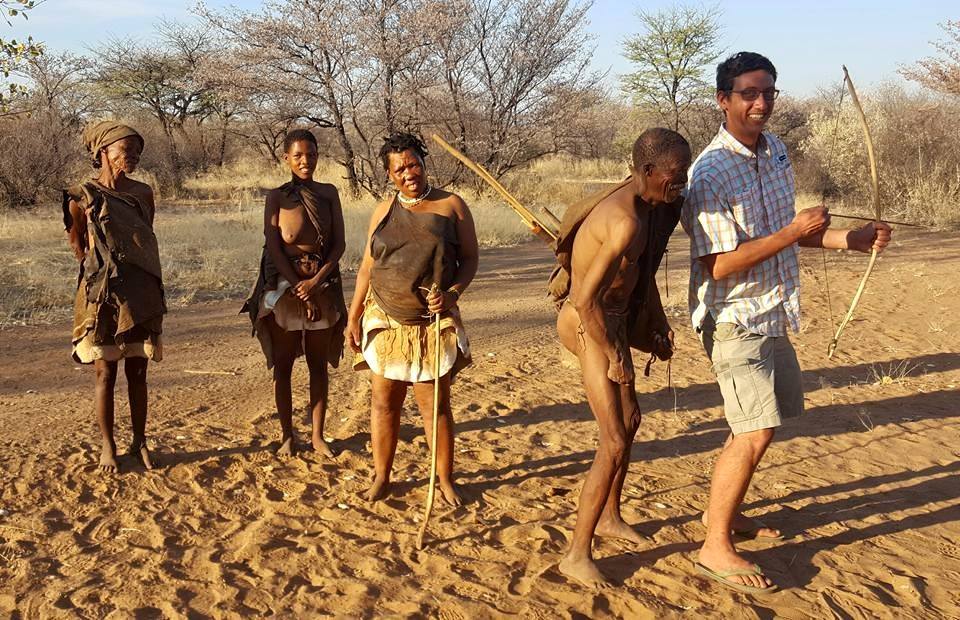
866 484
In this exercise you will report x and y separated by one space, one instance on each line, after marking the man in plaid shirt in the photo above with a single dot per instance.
744 294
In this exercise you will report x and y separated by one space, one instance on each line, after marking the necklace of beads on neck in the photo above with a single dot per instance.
412 202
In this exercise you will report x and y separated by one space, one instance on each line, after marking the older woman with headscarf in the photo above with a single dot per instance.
421 238
119 305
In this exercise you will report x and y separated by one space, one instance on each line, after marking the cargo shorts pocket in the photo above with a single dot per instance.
725 332
738 380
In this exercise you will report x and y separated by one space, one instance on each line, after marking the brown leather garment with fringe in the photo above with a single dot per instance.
120 296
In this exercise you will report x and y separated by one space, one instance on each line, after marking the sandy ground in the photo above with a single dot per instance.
865 485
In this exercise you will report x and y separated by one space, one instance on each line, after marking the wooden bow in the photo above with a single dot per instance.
878 212
528 217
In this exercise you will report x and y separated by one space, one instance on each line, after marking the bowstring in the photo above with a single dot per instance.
823 199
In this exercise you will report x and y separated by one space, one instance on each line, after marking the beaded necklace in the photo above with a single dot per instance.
412 202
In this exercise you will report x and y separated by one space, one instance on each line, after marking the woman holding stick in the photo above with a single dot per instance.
421 238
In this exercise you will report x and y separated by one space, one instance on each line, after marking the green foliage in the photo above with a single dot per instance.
672 57
14 52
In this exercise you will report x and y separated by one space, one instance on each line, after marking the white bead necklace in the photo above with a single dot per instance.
412 202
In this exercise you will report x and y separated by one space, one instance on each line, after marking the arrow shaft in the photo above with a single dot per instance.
873 219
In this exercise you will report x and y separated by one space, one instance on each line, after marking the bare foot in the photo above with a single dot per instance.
108 458
321 446
742 525
450 494
378 490
723 560
583 570
618 528
287 448
138 450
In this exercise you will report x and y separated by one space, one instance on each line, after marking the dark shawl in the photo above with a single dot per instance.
121 268
645 300
320 214
411 251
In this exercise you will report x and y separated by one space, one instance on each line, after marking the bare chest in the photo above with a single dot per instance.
296 227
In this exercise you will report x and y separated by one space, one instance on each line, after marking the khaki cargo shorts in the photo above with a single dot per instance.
759 376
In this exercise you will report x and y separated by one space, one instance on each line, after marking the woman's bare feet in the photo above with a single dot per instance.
618 528
287 447
449 492
138 450
321 446
108 457
725 560
378 490
583 570
749 527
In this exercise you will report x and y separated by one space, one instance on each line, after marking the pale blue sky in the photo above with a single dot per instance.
807 41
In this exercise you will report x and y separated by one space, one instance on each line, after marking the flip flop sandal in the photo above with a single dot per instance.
722 577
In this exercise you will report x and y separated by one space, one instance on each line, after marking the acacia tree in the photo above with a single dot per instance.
531 56
501 74
671 57
940 74
264 119
305 50
159 78
398 70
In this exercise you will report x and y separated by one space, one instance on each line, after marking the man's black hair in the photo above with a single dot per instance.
740 63
655 145
297 135
398 142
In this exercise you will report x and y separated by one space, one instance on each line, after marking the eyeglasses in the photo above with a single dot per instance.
751 94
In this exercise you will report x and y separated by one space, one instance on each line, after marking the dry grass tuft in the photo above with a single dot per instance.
894 372
38 270
557 182
865 420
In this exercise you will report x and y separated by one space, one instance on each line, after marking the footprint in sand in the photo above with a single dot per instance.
484 456
273 494
911 587
56 521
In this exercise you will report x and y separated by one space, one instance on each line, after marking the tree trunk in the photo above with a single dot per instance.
349 161
222 150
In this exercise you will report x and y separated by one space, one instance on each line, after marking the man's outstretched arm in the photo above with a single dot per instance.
863 239
807 224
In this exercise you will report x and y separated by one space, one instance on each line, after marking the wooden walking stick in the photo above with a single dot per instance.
436 422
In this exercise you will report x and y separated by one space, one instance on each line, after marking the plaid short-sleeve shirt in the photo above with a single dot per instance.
736 195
